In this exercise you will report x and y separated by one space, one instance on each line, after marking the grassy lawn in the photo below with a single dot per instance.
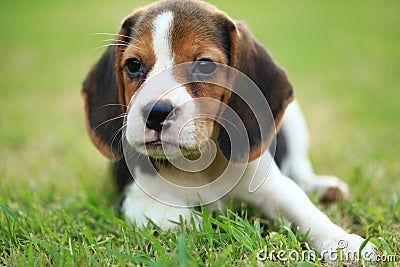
56 206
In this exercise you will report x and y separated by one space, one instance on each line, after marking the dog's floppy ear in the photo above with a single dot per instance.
104 101
102 106
249 57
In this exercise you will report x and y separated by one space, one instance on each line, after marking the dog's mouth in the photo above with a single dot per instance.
158 148
156 143
162 149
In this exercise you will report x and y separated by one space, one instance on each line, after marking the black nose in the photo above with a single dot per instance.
155 115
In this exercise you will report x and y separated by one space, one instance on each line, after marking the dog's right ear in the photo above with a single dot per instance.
104 111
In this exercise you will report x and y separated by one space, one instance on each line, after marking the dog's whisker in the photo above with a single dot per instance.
114 40
107 45
110 120
112 34
140 37
121 41
116 44
116 134
113 104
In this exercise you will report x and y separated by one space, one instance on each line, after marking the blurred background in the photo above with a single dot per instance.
343 58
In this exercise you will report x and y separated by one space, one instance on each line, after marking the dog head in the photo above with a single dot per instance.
137 87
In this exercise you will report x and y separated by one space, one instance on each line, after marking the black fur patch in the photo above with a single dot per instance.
281 148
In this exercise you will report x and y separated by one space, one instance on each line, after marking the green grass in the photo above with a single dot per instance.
56 207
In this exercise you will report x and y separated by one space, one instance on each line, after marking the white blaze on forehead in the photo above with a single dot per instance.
162 42
161 85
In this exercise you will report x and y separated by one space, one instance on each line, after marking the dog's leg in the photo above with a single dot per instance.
296 164
138 207
280 196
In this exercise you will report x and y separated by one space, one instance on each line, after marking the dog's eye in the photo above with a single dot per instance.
204 67
134 66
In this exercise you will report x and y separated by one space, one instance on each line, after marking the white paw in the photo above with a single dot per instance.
330 188
347 248
139 208
164 216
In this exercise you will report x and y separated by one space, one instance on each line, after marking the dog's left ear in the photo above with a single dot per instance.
249 57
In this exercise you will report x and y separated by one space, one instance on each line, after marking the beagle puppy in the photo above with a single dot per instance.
186 103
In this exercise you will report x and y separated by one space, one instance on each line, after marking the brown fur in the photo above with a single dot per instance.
137 48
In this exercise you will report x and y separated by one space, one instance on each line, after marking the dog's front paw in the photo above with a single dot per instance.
346 249
138 208
164 217
330 188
